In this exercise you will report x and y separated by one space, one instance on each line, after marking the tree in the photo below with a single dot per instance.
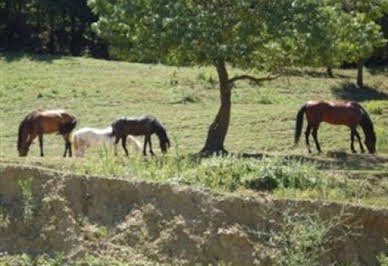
362 34
339 32
248 34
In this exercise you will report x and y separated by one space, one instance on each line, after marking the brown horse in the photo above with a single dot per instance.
39 122
136 126
346 113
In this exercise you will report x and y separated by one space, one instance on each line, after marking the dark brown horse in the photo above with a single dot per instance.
39 122
136 126
346 113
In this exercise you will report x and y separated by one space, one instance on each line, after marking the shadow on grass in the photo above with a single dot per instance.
332 160
349 91
16 56
379 70
312 73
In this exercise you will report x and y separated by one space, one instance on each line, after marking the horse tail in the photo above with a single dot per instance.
299 123
137 143
74 140
68 127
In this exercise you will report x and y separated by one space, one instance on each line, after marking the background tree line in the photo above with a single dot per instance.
64 27
50 26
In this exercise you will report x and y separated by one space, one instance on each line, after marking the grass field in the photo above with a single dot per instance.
186 100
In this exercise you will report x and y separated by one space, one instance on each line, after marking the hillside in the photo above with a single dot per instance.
263 161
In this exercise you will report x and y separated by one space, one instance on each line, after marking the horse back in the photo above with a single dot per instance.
133 126
336 113
52 121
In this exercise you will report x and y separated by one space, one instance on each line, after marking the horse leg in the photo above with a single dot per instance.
123 143
69 148
145 145
315 136
307 134
67 145
41 144
352 140
359 140
115 144
150 144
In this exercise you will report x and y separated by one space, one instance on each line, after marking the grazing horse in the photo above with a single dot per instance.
144 125
346 113
39 122
86 137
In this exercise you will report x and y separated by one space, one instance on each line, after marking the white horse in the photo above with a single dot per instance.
87 137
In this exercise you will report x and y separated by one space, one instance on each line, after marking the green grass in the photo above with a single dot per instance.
186 100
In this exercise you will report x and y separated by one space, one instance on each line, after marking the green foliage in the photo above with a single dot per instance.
25 185
305 239
360 37
263 35
273 174
383 259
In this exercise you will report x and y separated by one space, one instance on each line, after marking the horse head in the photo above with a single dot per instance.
23 145
165 144
371 145
368 128
23 149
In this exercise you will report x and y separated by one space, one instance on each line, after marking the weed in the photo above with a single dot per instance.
280 174
383 259
307 239
25 185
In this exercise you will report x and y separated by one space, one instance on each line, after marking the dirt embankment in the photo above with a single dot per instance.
160 222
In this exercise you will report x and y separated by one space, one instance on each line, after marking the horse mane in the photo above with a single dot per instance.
23 126
367 125
160 131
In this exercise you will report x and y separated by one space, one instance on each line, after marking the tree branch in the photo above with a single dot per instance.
254 79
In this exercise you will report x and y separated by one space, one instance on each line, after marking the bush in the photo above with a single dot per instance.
273 174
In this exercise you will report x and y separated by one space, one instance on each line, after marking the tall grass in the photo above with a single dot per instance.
307 239
278 175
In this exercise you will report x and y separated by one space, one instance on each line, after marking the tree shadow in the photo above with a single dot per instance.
17 56
349 91
312 73
379 70
332 160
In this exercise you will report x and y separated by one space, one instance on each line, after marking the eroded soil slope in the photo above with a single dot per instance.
133 221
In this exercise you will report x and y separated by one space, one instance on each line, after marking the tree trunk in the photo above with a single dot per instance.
219 128
51 44
360 73
329 72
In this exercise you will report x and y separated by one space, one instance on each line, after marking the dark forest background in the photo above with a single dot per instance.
64 27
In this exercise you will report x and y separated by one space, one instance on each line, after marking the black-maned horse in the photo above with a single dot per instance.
346 113
137 126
